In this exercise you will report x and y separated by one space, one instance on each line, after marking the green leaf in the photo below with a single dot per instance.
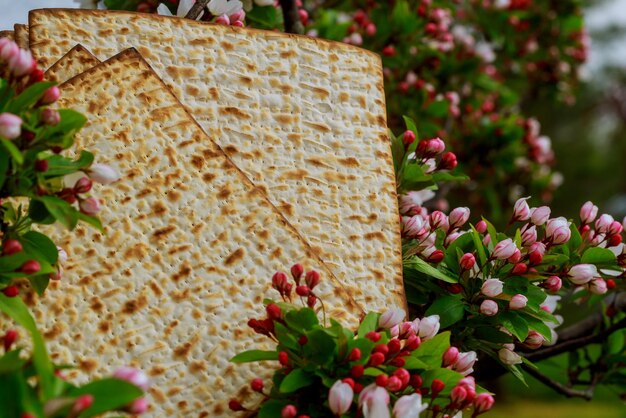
122 4
40 245
449 308
516 325
285 337
295 380
478 245
13 150
40 283
108 395
576 240
263 17
430 352
414 363
61 210
397 151
616 341
254 355
422 266
447 176
597 255
320 348
39 214
438 109
71 122
410 125
449 377
28 97
91 220
11 362
4 167
301 319
369 323
272 408
59 165
17 310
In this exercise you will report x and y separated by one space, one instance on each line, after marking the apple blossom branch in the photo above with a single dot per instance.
196 9
291 17
559 387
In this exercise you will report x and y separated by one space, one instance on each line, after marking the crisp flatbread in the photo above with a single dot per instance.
188 255
302 117
21 35
77 60
7 34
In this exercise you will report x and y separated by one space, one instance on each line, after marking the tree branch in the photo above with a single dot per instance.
559 387
196 9
291 17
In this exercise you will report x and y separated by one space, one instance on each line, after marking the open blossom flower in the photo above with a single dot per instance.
183 8
247 4
103 173
553 335
549 304
374 401
409 406
224 7
411 201
582 273
504 249
340 397
492 287
90 206
391 318
427 327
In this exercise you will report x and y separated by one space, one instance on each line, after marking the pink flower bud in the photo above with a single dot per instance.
408 137
483 402
529 237
438 220
433 147
10 126
465 362
521 211
536 252
458 395
540 215
428 326
553 283
604 223
509 357
11 246
375 399
519 269
467 261
504 249
391 318
451 238
224 20
394 384
238 24
598 287
557 230
134 376
103 173
458 217
448 161
481 227
492 287
51 95
518 302
8 49
21 63
412 226
139 406
239 16
82 403
407 406
10 337
516 257
90 206
615 228
50 117
370 29
582 273
488 307
289 411
30 267
534 340
450 356
340 397
588 213
83 185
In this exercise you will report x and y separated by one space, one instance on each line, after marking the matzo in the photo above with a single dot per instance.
303 118
190 249
7 34
77 60
21 35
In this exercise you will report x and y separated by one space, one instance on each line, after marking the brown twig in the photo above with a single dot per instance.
559 387
291 17
196 9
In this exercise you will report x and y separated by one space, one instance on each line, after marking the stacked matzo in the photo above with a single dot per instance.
303 118
188 256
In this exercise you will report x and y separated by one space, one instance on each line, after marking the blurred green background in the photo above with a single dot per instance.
589 140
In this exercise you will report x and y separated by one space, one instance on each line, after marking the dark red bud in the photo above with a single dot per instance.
41 166
519 268
376 359
381 348
354 355
417 381
28 136
412 343
11 291
257 385
357 371
30 267
389 51
235 405
358 388
312 279
311 301
610 284
394 346
303 290
349 382
615 240
448 161
303 340
535 257
455 288
283 358
36 75
436 256
9 339
11 246
436 387
296 272
273 311
83 185
398 362
373 336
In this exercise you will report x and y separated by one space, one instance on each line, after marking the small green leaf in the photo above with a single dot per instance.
254 355
422 266
108 395
301 319
597 255
13 150
4 167
431 352
28 97
59 165
516 325
449 308
295 380
369 323
61 210
40 245
91 220
11 362
272 408
320 348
